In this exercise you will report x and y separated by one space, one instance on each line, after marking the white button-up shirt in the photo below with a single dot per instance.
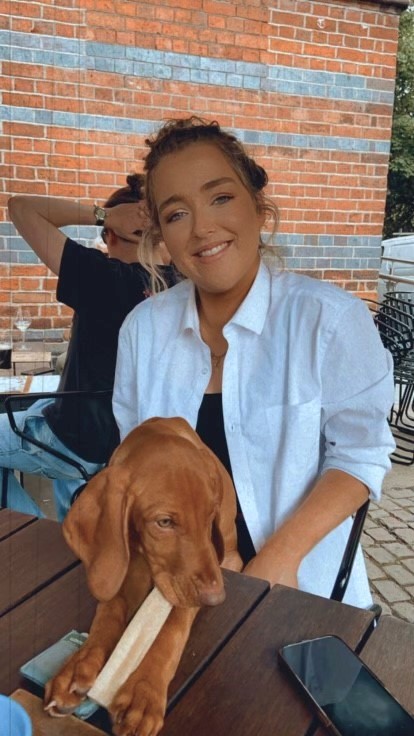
307 386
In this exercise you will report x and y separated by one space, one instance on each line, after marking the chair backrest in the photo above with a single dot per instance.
404 307
395 326
19 402
345 568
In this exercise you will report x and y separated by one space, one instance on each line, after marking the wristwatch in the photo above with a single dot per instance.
100 214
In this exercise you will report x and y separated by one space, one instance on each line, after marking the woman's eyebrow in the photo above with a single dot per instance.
208 185
170 200
216 182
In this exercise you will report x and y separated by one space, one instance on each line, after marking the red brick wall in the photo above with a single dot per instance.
308 85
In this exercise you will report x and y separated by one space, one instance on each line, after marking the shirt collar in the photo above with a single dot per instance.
189 320
252 312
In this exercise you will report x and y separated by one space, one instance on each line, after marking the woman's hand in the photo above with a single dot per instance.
275 565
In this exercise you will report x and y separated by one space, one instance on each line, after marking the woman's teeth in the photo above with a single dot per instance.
213 251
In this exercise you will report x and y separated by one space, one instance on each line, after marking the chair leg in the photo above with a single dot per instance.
377 611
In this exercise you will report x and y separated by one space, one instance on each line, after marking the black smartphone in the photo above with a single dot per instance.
348 698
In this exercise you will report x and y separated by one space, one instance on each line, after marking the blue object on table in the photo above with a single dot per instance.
14 721
47 664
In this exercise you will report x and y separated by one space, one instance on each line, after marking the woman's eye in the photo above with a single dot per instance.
166 523
222 198
175 216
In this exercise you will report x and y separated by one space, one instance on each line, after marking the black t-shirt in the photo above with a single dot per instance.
101 291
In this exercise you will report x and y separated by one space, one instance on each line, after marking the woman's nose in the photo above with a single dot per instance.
203 224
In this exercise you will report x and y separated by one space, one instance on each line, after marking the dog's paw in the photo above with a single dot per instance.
138 709
68 688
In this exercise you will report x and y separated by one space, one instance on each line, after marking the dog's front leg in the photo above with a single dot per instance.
139 705
68 688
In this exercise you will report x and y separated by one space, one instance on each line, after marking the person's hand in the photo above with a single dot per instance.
128 221
275 565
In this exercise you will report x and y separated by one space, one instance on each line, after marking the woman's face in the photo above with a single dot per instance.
209 221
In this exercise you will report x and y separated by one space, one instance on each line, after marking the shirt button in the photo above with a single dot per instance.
204 371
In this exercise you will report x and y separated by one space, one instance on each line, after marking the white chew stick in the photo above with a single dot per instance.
137 638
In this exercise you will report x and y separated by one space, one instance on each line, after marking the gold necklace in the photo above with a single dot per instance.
217 359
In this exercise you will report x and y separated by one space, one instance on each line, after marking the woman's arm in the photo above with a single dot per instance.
357 392
38 220
335 496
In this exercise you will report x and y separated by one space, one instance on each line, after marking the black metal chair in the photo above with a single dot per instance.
20 402
395 327
345 568
402 414
394 318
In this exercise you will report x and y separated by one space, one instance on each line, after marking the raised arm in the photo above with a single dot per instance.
38 220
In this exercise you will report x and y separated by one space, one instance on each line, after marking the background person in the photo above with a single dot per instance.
101 290
284 376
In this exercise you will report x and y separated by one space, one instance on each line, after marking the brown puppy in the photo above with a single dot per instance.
162 513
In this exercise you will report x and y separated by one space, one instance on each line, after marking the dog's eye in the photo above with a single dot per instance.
165 523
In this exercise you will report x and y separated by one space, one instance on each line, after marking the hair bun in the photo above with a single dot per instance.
258 176
132 192
135 183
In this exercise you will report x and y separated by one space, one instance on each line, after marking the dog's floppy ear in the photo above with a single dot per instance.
181 427
217 539
224 534
96 529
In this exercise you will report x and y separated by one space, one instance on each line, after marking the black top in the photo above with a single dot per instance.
101 291
210 428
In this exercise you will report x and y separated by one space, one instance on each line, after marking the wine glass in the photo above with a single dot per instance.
22 321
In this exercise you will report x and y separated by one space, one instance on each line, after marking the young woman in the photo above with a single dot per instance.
283 376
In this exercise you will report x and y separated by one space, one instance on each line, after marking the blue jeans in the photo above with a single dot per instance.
21 455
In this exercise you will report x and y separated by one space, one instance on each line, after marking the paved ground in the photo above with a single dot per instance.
388 539
388 542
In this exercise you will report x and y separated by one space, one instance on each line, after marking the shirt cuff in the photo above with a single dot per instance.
370 476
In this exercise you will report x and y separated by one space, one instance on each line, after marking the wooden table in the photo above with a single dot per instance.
44 595
32 357
28 384
390 654
229 680
244 690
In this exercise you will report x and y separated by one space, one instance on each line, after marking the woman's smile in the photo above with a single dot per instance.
208 251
